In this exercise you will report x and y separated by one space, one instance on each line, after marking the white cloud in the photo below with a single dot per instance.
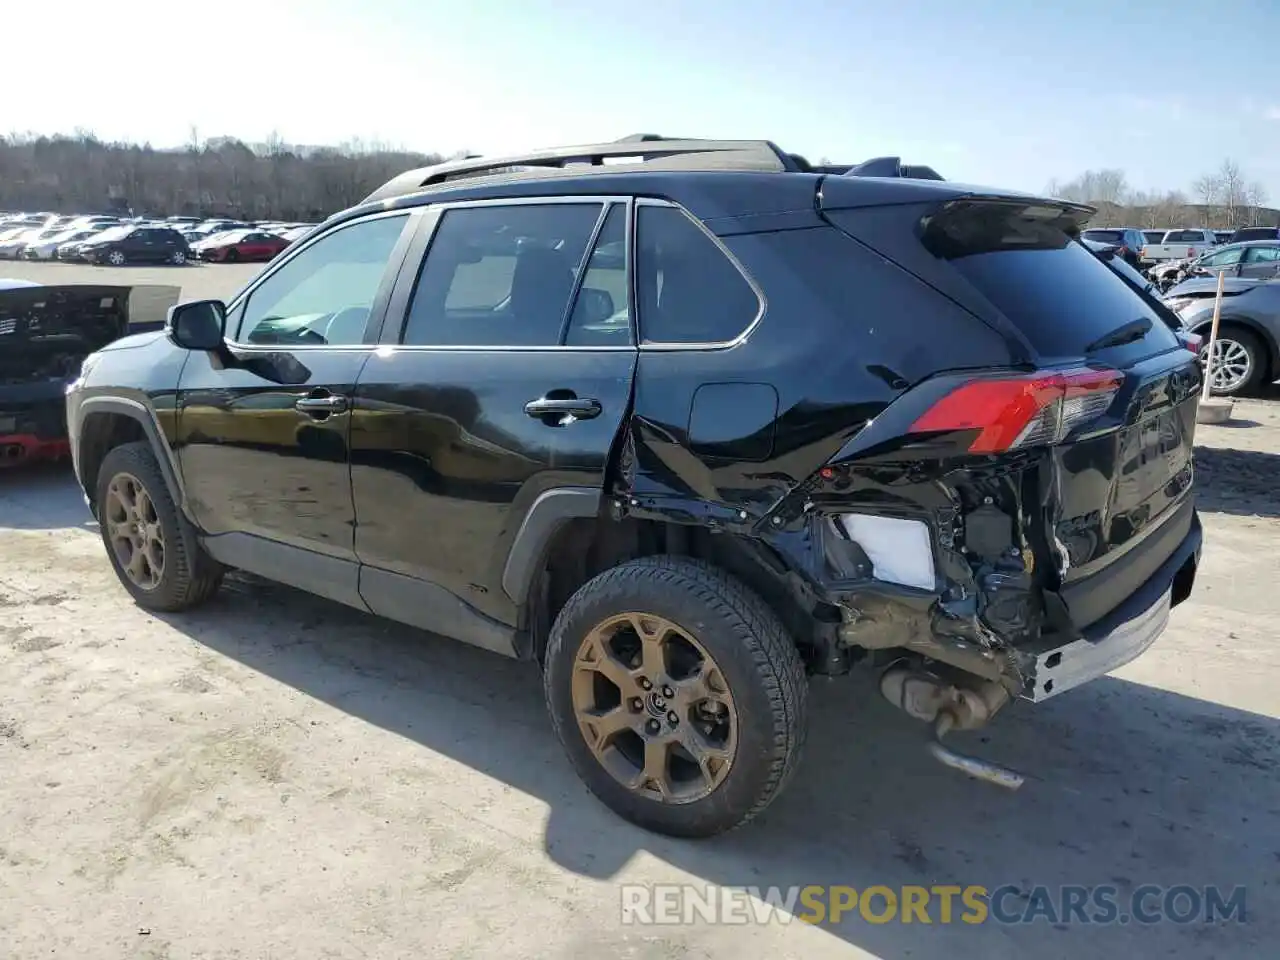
1272 113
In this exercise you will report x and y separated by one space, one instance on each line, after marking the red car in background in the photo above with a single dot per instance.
239 246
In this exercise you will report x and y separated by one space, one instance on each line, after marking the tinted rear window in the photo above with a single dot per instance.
1184 236
1053 289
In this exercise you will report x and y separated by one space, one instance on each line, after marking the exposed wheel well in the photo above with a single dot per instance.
100 433
584 547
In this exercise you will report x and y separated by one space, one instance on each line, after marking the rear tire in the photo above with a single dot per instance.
1244 362
728 732
178 258
116 258
232 256
147 537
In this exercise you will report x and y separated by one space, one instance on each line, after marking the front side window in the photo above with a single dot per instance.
500 275
687 289
1223 258
324 294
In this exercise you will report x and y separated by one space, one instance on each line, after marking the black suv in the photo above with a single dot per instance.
1128 241
680 428
120 245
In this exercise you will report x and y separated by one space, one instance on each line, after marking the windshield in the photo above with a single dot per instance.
1105 236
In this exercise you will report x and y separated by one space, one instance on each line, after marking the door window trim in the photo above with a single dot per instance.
393 329
381 299
667 347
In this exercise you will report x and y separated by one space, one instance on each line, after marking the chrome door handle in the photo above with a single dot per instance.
568 409
320 406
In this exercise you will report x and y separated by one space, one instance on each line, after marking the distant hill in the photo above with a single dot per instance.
1185 215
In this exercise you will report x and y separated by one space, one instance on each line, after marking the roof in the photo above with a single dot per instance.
645 152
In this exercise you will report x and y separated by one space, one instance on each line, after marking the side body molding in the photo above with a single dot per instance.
550 511
146 418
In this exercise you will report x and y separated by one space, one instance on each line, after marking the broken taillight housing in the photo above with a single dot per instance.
1022 411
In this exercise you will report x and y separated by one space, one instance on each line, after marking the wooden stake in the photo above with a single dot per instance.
1213 337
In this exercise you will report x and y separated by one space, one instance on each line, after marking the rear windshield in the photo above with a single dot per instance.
1105 236
1184 236
1057 293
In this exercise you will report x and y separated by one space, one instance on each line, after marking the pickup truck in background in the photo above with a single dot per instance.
1180 245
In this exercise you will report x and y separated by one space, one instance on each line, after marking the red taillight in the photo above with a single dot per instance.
1192 341
1191 252
1015 412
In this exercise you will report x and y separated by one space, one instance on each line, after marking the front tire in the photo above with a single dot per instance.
178 258
146 536
116 258
677 694
1240 362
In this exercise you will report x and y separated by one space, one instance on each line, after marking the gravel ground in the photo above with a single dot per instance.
276 776
199 281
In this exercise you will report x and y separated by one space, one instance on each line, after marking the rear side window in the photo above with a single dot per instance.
1057 293
687 288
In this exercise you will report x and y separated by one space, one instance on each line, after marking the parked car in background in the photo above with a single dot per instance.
1153 237
1258 260
237 245
1255 233
11 240
46 248
294 234
1248 344
1181 244
12 246
1128 241
1222 236
123 245
46 331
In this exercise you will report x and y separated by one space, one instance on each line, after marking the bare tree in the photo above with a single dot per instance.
218 176
1256 197
1208 188
1233 189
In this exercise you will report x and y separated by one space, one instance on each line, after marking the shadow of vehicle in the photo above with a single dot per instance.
42 496
1129 785
1239 482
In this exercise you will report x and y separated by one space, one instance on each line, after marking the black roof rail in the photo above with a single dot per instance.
893 167
649 149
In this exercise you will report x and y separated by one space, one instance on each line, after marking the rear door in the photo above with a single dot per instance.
506 372
1261 263
263 440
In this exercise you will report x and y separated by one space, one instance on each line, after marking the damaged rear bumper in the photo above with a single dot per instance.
1121 636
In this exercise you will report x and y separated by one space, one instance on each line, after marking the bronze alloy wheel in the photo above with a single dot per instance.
654 708
134 531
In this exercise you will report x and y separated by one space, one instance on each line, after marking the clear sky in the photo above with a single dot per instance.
1004 92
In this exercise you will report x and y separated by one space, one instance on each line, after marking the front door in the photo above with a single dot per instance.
263 439
506 371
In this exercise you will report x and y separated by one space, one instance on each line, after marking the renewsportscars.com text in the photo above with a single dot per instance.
676 904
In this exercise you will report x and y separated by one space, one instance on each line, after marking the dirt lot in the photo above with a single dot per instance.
276 776
199 281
